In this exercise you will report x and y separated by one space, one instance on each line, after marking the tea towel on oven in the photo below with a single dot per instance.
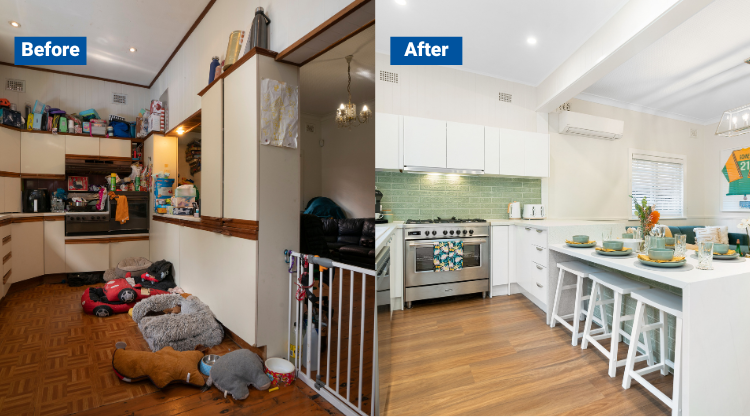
448 255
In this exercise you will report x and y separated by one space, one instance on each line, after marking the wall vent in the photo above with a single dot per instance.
505 97
387 76
15 85
310 128
119 98
693 133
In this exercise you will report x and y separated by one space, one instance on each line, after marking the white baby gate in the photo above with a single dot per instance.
315 378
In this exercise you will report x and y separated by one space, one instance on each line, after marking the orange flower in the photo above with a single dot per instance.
652 220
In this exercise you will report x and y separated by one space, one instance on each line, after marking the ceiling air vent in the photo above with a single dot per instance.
387 76
119 98
15 85
505 97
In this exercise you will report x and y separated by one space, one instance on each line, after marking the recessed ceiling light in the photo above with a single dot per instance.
531 40
132 49
401 2
14 24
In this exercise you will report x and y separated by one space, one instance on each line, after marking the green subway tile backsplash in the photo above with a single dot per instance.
428 196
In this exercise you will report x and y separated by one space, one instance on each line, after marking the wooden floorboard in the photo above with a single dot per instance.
472 356
56 360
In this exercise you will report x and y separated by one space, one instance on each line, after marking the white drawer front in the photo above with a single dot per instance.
537 237
539 254
539 275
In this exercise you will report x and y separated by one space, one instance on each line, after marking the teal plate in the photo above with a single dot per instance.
663 265
615 253
591 245
726 257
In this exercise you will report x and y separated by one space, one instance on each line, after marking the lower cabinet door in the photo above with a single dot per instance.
80 258
118 251
54 247
27 245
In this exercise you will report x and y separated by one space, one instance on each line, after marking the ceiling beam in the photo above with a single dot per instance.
637 25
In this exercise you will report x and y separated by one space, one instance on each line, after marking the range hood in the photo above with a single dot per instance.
425 169
734 122
96 165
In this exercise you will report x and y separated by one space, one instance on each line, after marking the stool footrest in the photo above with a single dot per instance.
568 287
641 358
651 327
660 395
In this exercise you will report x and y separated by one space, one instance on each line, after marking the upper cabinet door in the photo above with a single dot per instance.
42 153
388 141
491 150
424 142
465 146
536 155
212 151
81 145
12 187
113 147
512 152
10 150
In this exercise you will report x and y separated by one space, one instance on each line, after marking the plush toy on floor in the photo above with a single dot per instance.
234 371
162 367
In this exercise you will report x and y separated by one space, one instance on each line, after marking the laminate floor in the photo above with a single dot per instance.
56 360
474 356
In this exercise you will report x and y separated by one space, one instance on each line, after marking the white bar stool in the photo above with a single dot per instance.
581 271
620 286
666 303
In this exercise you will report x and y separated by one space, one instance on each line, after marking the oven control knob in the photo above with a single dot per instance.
471 232
427 232
445 232
451 232
464 231
434 232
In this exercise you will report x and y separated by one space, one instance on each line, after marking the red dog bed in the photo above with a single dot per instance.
117 297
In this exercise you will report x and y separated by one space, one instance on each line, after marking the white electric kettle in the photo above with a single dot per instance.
514 210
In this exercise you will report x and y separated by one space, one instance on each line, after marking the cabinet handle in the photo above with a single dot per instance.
528 228
539 267
539 286
539 230
539 248
6 239
7 257
448 290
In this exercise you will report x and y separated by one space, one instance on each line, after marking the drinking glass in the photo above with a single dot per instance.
646 243
680 245
705 255
606 235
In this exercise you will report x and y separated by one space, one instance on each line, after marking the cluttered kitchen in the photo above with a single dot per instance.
151 203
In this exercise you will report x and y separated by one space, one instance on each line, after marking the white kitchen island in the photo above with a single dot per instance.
716 328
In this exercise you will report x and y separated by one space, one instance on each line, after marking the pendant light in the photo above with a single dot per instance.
346 115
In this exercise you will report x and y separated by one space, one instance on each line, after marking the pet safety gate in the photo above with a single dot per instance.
333 331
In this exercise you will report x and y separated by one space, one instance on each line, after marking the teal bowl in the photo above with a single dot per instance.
614 245
627 236
581 239
669 241
661 254
721 248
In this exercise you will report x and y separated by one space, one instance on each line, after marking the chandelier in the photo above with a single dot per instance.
346 115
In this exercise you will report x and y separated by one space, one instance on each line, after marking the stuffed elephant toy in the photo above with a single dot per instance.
234 371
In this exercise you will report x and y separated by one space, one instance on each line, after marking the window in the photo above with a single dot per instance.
660 178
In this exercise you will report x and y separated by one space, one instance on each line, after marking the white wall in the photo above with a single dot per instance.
348 167
312 159
73 94
187 73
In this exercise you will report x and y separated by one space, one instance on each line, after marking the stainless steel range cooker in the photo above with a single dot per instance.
421 281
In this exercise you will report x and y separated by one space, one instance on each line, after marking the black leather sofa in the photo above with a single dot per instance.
351 241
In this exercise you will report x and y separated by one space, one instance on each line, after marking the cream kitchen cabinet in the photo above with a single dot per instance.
491 151
28 248
113 147
82 145
42 153
10 150
500 262
464 146
85 257
12 195
425 143
54 246
6 254
118 251
388 141
212 150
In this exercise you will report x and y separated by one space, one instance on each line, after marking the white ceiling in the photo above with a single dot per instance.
693 73
495 31
323 80
154 28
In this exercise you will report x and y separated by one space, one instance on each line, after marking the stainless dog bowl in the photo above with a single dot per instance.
207 362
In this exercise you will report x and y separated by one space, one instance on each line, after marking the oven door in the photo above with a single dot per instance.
138 205
420 269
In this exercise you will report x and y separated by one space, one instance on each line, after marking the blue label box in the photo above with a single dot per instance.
50 50
427 50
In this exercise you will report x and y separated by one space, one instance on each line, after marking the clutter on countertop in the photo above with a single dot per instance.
162 368
234 371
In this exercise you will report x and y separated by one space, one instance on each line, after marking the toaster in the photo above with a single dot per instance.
534 211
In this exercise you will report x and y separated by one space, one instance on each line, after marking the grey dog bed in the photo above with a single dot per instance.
195 324
133 265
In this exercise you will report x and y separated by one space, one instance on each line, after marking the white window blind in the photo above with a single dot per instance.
660 180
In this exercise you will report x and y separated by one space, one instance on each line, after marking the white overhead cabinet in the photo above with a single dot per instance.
425 143
42 153
113 147
10 150
81 145
491 151
523 153
388 141
536 155
464 146
212 150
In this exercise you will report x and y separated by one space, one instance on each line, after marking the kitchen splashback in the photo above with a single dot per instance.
414 196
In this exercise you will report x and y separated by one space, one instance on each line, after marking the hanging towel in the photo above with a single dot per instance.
122 215
448 255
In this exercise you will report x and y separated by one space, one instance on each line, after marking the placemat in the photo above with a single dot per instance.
686 267
632 255
733 260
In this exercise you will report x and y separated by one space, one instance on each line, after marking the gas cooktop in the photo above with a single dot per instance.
441 220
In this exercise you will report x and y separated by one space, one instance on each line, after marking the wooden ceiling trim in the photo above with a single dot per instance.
332 46
73 74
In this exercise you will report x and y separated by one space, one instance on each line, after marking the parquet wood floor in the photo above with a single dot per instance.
56 360
473 356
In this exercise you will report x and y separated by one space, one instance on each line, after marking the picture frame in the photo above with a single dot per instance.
78 183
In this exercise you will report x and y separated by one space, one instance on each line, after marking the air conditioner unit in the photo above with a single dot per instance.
577 124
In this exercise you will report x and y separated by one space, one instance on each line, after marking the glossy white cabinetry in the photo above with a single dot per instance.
512 151
113 147
491 151
81 145
536 155
532 260
464 146
28 249
42 153
86 257
500 251
54 246
388 141
212 150
10 150
424 143
12 195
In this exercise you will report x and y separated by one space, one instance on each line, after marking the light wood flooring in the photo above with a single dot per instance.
474 356
56 360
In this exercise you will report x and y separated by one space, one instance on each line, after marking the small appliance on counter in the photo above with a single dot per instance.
36 201
534 211
514 210
379 218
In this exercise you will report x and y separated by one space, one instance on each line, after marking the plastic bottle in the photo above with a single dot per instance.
113 181
739 250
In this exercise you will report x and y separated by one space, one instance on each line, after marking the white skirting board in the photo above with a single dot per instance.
515 289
